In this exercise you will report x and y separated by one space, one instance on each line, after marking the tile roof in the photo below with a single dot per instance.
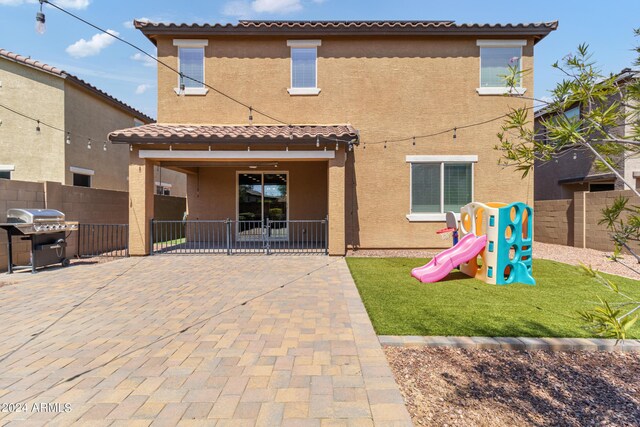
26 60
245 27
163 133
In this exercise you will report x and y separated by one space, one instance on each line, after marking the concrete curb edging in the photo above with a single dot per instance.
512 343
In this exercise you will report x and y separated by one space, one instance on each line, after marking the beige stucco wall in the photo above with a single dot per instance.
386 88
178 180
37 156
44 155
93 118
212 192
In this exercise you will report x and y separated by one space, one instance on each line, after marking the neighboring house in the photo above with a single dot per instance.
574 169
339 87
80 113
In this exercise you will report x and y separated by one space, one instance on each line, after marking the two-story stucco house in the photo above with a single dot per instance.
69 145
318 102
574 169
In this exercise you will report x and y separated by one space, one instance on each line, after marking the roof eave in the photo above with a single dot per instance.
56 72
152 31
108 98
124 139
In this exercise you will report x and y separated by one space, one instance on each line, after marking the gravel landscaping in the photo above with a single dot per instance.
599 260
460 387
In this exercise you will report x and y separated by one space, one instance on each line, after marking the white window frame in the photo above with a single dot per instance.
500 90
192 44
82 171
308 44
164 186
441 216
8 168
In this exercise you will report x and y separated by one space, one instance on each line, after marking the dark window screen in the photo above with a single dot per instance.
81 180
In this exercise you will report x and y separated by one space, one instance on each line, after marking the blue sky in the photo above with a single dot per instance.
113 66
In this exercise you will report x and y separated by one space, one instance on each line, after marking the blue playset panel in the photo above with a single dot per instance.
514 260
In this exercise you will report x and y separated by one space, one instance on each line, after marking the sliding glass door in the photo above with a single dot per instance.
262 197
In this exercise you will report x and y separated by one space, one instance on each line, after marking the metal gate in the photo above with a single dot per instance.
228 237
103 240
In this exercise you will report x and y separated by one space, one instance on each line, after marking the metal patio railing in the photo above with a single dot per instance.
230 237
103 240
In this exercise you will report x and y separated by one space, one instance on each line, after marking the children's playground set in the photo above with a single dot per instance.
495 245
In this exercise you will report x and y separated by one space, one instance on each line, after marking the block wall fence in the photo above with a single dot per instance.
574 222
85 205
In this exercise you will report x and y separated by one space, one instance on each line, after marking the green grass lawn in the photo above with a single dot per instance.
171 242
398 304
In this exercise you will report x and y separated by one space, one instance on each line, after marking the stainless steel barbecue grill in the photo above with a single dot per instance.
46 229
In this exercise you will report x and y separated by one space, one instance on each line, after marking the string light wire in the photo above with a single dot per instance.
249 107
246 105
164 64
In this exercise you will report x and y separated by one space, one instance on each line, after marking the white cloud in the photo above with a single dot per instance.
84 72
73 4
83 48
276 6
68 4
239 8
245 9
146 61
142 89
129 24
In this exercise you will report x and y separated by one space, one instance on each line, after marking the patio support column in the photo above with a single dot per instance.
141 194
336 187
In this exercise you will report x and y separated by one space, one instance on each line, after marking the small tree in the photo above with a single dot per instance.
608 104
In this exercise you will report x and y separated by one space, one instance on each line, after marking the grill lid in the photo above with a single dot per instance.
31 216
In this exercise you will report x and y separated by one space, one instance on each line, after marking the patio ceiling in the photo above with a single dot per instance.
162 133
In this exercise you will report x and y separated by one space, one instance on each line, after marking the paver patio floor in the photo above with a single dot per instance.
166 340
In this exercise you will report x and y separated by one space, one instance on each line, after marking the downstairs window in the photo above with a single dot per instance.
439 184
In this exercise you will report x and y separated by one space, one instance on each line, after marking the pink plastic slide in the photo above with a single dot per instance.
442 264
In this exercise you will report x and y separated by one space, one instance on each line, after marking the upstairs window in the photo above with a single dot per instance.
497 58
304 67
191 65
573 113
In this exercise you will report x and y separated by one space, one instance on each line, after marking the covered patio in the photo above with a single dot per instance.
253 188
